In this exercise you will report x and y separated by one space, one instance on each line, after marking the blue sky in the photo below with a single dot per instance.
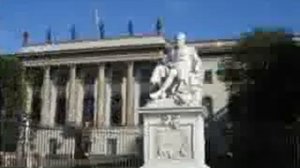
200 19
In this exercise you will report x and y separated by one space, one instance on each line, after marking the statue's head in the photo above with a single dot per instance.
180 39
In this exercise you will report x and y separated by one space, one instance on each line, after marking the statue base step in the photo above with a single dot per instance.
173 164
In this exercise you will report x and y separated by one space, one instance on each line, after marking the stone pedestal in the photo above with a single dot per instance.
173 137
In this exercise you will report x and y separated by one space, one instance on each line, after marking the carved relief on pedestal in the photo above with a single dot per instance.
170 120
171 140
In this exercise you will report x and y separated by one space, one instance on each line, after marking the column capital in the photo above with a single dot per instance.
46 73
101 63
46 67
71 65
72 71
101 66
130 63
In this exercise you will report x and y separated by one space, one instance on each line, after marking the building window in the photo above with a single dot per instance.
36 105
116 109
60 110
60 115
111 146
221 71
88 101
88 111
145 75
208 77
207 102
53 145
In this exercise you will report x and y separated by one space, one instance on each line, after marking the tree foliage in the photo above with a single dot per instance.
12 85
263 70
262 78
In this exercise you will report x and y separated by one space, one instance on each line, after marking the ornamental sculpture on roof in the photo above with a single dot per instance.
178 77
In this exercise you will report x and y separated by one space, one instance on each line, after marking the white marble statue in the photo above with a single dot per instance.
174 117
179 76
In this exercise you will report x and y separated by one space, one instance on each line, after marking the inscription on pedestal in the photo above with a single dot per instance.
171 139
171 144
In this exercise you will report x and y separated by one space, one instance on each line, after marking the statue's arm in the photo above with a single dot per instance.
197 63
197 69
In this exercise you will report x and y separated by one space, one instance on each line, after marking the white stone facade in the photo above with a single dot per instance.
217 89
135 58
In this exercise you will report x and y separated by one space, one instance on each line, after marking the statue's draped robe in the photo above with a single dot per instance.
189 75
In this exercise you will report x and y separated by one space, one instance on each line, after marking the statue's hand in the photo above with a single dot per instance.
154 80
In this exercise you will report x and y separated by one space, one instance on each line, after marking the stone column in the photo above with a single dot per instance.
137 95
100 115
79 98
29 97
130 95
71 96
108 91
95 102
52 103
45 95
124 99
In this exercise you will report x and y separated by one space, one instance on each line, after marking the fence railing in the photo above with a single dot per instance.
293 145
34 146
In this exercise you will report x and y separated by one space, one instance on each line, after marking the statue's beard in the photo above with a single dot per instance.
178 46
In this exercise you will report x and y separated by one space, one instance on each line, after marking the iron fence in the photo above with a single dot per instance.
24 145
293 147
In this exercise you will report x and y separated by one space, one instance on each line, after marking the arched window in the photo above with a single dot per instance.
207 102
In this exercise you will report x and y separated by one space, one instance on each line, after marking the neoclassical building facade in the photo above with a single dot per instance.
98 86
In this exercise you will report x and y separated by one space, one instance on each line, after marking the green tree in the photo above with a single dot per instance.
13 81
12 98
12 85
264 91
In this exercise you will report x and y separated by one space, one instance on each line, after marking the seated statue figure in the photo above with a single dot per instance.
179 75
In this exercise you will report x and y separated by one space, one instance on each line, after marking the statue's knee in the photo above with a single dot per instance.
173 72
